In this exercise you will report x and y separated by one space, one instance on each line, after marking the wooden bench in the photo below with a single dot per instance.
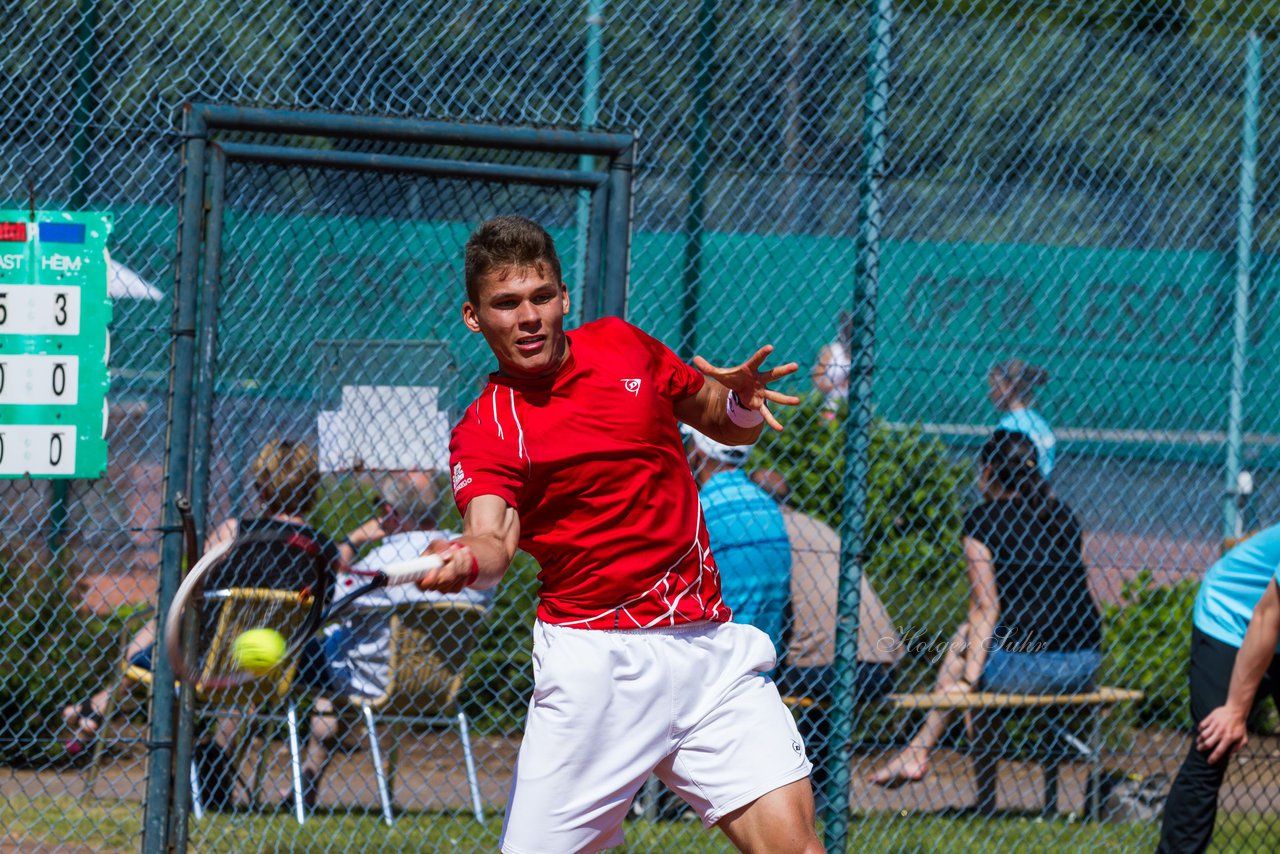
1064 745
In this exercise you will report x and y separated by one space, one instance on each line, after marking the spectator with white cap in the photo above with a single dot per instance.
748 535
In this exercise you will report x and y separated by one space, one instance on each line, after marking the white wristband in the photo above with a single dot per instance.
739 414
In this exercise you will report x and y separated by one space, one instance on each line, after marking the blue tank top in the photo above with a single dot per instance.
1234 584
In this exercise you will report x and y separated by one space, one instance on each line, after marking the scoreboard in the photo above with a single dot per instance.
54 313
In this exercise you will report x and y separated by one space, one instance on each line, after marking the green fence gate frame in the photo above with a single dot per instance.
205 161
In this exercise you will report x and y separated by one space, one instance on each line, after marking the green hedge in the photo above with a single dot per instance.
918 490
1146 636
50 653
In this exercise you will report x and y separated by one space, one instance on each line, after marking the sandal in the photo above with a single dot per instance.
84 738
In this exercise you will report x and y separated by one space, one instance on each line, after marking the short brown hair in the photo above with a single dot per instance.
1021 377
504 243
286 475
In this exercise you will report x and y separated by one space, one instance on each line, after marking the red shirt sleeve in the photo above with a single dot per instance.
483 460
676 378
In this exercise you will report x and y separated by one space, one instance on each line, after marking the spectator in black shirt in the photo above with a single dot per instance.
1033 626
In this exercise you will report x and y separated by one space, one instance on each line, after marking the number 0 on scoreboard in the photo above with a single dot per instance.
54 313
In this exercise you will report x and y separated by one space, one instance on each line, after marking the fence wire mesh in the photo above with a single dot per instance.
1064 184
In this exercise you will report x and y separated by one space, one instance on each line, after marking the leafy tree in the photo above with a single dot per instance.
917 494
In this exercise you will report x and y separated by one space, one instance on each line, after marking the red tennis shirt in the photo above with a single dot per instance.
591 459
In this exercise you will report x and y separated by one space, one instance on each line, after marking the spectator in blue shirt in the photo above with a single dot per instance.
1235 635
1012 385
748 536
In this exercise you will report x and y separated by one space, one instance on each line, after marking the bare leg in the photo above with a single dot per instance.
778 822
86 722
912 764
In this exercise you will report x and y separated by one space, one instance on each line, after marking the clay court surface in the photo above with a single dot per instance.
431 777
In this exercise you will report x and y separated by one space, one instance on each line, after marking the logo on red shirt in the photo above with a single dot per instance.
632 386
459 479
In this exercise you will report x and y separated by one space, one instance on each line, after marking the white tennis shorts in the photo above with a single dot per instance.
689 704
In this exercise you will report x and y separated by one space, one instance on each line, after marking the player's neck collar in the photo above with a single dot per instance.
543 382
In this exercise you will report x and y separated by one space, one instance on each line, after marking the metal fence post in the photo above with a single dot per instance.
696 211
617 260
590 110
858 423
177 470
202 425
1233 500
86 81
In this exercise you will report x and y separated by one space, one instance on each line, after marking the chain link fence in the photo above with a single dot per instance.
1069 185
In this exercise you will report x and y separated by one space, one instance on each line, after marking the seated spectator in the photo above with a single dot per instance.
749 540
1033 627
811 648
1011 386
285 476
353 659
747 535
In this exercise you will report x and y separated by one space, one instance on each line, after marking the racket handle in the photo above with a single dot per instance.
409 571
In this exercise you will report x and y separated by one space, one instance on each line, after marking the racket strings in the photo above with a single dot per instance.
259 582
271 564
231 614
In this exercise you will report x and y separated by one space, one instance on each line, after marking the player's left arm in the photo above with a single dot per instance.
708 411
480 557
1223 731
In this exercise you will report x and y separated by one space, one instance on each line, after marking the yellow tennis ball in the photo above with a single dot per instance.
258 651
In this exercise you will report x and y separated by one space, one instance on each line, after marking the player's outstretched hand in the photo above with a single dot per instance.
752 384
1223 732
454 572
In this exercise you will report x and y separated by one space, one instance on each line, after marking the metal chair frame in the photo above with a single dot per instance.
424 686
245 701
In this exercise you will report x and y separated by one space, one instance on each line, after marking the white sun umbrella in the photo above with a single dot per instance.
123 283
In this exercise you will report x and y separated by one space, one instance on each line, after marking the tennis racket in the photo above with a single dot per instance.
272 579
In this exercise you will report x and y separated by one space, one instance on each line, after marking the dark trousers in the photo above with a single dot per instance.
1192 806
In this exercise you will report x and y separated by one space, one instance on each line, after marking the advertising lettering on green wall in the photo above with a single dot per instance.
945 312
948 311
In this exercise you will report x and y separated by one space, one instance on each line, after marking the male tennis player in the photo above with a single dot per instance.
572 454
